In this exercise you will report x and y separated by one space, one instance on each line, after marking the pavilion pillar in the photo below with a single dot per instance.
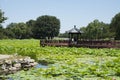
69 38
77 37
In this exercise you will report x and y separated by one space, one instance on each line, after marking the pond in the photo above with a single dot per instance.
41 66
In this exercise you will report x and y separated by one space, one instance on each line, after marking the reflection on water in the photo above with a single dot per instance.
41 66
10 79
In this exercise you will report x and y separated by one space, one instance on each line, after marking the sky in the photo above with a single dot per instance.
69 12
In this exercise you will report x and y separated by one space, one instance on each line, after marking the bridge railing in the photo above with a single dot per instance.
82 43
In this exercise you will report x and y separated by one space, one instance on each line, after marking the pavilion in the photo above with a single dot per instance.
74 35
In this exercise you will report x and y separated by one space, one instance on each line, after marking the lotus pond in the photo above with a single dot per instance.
63 63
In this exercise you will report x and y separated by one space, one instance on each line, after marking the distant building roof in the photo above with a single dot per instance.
74 30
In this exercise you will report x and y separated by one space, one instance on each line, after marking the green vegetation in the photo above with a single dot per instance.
48 27
115 26
2 18
64 63
96 30
43 27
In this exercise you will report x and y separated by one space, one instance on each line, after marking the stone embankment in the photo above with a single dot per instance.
11 64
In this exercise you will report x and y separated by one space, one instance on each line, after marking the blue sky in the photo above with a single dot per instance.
70 12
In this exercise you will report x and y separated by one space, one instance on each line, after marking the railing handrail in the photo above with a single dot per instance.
81 42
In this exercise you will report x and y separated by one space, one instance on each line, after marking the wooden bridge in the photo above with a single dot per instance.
81 43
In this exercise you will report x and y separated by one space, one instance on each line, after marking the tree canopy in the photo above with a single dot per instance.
42 27
2 18
96 30
46 26
2 30
18 31
115 26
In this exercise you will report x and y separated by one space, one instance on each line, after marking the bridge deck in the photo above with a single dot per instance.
80 43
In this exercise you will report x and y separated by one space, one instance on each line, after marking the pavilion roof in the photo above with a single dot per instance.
74 30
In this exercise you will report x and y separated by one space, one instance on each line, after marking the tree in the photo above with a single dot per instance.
9 33
96 30
1 32
30 25
115 26
46 26
2 18
10 30
18 30
63 35
83 35
22 31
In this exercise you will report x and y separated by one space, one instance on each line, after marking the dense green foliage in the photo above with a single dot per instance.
96 30
18 31
2 32
2 18
46 26
115 26
64 63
